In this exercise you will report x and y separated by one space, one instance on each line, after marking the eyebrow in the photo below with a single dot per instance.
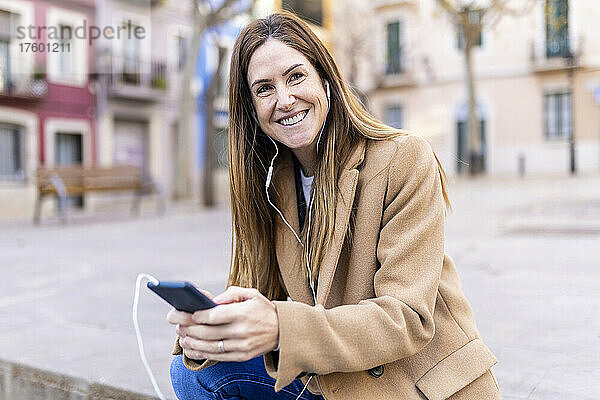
284 74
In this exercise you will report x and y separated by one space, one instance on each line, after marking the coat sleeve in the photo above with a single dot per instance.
398 322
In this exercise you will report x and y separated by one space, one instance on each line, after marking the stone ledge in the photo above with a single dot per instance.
19 381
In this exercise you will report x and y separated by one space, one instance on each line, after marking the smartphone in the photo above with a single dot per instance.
182 295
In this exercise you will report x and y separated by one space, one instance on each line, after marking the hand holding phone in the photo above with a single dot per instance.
182 295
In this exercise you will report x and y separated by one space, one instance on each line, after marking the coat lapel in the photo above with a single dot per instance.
288 249
344 201
345 198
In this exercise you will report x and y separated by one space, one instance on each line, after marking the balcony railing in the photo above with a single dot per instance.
398 75
382 5
152 3
24 88
135 79
556 55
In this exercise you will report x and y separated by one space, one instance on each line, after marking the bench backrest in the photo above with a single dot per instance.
78 179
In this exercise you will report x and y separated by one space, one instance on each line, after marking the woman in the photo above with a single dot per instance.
374 308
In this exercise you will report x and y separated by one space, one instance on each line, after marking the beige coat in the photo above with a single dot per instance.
391 320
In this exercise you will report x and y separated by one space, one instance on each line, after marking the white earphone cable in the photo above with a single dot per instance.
305 386
268 183
138 333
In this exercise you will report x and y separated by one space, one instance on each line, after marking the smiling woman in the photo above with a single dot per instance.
339 282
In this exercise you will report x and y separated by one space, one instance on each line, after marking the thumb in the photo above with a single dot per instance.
236 294
203 291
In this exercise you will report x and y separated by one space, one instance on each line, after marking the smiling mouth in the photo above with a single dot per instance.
296 119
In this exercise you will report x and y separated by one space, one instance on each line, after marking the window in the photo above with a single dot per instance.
4 66
131 146
309 10
394 61
131 56
69 64
557 115
66 62
461 40
68 148
394 116
68 151
11 153
557 28
182 44
463 152
221 159
467 152
4 51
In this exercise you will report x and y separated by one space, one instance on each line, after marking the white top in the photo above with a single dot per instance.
307 182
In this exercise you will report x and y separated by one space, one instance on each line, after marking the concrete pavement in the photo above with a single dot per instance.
526 252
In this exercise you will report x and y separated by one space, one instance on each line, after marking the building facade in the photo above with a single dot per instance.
104 100
537 79
139 90
47 100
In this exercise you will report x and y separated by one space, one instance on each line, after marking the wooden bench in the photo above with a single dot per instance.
63 182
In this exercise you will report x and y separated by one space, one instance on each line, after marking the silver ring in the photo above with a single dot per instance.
221 346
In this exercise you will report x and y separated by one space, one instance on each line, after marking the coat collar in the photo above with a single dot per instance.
288 250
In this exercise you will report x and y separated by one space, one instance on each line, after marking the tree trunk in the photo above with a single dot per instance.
185 131
353 78
208 197
473 125
210 95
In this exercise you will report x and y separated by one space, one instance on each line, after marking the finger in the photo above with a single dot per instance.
181 330
200 345
212 332
220 315
229 356
235 294
192 354
176 317
182 344
203 291
234 351
206 293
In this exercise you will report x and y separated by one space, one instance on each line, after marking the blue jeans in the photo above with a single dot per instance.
232 380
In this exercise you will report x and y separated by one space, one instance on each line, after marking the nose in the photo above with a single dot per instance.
285 98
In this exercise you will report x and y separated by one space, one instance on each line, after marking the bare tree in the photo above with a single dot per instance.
206 14
352 42
470 17
210 132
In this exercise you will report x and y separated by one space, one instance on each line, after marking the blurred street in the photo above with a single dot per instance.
526 251
102 101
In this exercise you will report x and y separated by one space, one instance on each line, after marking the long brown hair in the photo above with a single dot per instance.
253 261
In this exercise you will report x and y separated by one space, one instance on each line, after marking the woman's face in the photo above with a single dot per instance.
288 94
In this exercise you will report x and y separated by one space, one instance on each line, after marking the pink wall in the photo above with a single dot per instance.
64 101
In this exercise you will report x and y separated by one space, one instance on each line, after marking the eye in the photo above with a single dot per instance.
263 89
296 75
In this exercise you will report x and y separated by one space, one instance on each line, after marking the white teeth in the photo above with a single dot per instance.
297 118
